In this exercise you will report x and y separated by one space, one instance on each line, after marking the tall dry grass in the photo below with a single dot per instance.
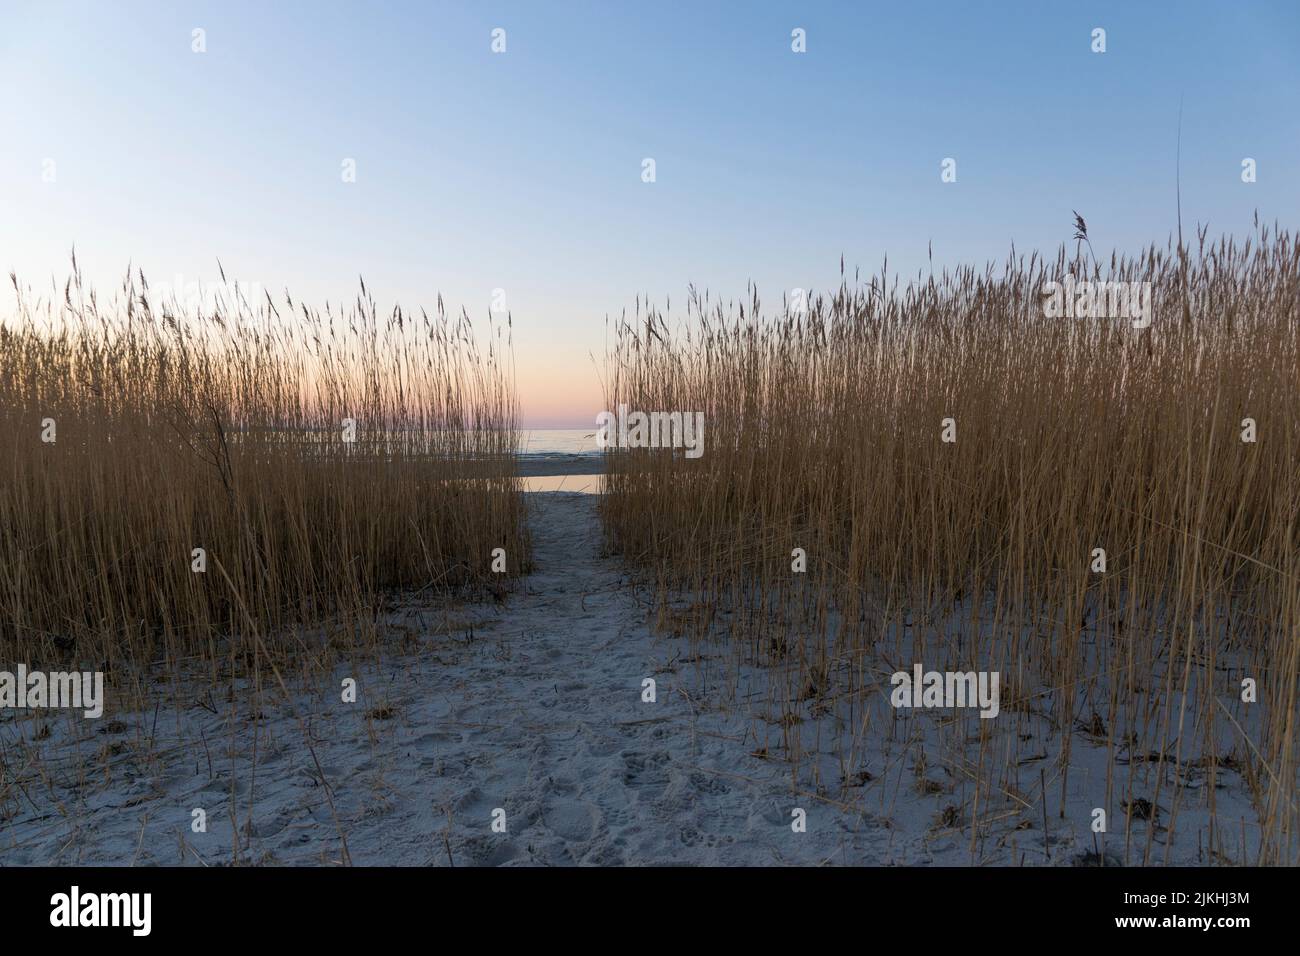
823 432
220 427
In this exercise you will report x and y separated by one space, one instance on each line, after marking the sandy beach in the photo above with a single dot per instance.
537 711
535 708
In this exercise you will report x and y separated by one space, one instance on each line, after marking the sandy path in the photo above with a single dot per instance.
554 731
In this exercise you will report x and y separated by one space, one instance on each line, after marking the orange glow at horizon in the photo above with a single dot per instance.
555 391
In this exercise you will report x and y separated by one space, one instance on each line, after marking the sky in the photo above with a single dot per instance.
516 178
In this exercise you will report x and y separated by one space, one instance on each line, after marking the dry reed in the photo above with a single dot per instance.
221 426
823 432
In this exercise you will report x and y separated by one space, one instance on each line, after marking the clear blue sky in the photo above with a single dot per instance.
522 170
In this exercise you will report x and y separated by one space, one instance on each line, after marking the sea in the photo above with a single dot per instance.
561 459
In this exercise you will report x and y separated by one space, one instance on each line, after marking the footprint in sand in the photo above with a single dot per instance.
574 822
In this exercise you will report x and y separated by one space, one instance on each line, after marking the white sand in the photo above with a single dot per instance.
535 707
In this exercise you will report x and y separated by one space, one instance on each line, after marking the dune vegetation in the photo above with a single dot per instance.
1105 512
227 481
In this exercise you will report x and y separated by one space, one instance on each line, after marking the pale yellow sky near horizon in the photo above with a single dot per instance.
556 388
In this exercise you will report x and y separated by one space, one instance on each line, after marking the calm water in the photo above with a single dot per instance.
561 459
565 451
586 484
560 441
